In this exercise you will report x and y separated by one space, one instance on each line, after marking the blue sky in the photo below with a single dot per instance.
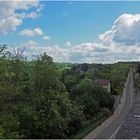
74 21
72 24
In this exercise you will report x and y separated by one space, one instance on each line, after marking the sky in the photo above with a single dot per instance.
73 31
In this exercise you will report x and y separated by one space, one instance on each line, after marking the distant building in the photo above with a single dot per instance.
104 83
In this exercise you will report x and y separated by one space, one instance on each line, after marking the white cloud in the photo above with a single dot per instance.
10 16
125 30
30 43
85 52
120 43
29 32
68 43
32 49
46 38
28 15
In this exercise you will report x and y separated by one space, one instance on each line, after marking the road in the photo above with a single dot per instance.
130 127
111 127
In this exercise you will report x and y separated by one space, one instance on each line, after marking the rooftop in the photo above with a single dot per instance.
102 82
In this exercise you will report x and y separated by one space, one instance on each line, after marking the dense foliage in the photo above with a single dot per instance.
116 73
40 100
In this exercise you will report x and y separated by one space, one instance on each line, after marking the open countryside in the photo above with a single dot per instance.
69 70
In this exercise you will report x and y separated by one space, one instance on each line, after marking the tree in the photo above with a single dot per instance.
92 97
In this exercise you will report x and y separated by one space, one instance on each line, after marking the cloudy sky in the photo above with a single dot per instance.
101 32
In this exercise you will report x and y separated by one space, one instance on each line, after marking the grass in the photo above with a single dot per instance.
92 125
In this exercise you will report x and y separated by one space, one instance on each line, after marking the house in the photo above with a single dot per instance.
104 83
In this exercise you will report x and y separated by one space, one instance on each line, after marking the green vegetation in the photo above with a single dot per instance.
92 124
137 78
116 73
43 99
